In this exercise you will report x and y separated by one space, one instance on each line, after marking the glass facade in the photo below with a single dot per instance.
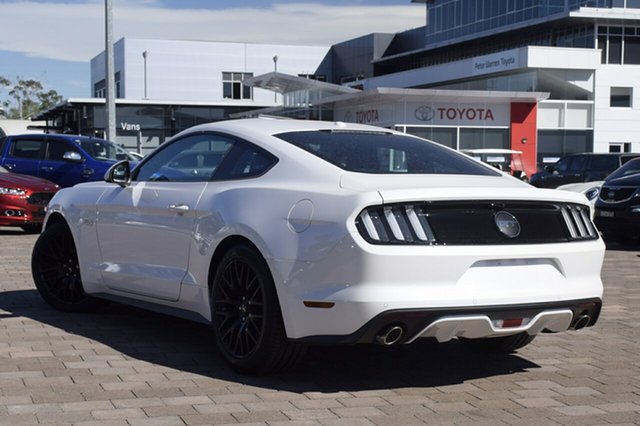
451 19
553 144
462 137
565 35
619 44
139 128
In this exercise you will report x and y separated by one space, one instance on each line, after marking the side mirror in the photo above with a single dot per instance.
72 157
119 173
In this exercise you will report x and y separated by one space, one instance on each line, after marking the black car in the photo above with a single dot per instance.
617 213
585 167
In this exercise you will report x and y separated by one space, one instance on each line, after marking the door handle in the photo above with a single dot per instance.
179 208
9 166
46 169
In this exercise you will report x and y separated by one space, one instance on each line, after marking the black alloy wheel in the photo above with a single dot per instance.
246 316
56 271
239 305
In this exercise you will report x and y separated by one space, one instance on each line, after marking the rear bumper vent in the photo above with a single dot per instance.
474 223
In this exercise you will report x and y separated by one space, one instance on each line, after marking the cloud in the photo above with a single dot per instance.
75 32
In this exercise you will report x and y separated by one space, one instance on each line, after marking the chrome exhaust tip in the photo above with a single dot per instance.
581 322
390 335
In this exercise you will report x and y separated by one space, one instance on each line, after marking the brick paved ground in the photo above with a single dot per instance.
129 367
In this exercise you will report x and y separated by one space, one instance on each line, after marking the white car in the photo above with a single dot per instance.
281 233
591 190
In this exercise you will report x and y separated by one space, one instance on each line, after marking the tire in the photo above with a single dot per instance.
505 344
246 317
32 228
56 271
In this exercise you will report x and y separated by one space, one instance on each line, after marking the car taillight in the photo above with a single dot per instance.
397 224
578 222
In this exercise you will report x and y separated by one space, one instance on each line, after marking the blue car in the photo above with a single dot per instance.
60 158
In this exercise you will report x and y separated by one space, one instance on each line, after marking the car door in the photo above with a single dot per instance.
56 168
601 166
145 229
24 154
576 171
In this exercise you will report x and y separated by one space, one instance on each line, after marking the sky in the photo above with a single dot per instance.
52 41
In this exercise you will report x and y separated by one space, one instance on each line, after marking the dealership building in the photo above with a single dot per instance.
545 77
165 86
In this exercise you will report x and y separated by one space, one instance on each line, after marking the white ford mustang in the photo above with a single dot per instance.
280 233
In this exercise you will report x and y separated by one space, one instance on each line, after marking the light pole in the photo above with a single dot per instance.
144 58
110 82
275 69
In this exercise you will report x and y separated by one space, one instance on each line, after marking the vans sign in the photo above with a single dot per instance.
129 127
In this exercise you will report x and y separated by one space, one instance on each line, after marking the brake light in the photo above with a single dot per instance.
397 224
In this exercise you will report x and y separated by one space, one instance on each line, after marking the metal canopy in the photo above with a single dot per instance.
284 83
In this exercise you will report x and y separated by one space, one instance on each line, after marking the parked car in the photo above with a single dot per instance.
317 232
63 159
507 160
617 213
584 167
591 190
23 200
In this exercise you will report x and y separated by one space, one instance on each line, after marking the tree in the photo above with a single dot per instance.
27 98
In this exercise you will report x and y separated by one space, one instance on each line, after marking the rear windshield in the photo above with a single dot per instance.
384 153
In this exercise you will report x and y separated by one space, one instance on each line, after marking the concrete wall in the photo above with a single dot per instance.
192 70
616 125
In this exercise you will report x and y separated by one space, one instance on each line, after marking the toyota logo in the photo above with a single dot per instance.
507 224
424 113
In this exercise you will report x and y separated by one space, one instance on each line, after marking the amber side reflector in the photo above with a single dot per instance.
324 305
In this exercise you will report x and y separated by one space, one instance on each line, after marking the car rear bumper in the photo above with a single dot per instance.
625 223
358 289
472 322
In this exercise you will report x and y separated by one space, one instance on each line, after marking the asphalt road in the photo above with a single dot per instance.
125 366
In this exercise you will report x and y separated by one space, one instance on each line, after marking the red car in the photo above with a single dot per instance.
24 199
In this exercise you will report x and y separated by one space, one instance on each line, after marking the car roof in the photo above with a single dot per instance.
490 151
267 126
65 136
608 154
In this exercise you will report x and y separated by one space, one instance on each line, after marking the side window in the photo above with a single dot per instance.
578 164
27 148
604 162
245 161
56 150
193 158
563 165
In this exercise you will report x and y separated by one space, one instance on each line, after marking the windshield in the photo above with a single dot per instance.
384 153
630 168
101 149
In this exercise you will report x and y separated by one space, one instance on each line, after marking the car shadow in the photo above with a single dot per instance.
13 231
633 245
189 347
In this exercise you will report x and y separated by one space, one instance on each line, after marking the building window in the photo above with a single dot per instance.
619 45
619 147
100 88
318 77
232 87
621 97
